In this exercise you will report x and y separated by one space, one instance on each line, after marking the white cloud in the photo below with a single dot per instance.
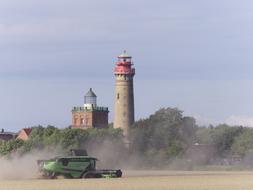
240 120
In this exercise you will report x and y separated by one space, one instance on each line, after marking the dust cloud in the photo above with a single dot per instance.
113 155
22 167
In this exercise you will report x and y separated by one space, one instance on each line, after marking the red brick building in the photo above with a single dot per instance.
24 133
90 115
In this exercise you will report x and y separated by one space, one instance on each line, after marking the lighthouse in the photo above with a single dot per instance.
124 93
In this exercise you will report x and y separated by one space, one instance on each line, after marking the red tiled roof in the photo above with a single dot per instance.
27 131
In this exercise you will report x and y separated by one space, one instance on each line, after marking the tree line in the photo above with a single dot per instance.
159 139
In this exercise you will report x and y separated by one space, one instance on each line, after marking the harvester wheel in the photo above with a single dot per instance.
88 175
118 173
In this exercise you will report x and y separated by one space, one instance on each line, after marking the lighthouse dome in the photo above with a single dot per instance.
124 55
90 99
90 93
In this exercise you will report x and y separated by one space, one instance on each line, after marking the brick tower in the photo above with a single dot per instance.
124 94
90 115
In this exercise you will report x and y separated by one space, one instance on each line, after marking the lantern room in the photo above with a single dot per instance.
124 58
90 99
124 64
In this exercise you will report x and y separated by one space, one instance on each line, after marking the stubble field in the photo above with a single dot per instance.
142 180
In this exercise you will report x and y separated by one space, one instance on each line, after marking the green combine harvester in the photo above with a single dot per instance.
77 165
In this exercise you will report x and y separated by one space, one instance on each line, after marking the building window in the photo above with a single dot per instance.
86 121
117 95
75 121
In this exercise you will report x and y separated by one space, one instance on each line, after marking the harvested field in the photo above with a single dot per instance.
143 180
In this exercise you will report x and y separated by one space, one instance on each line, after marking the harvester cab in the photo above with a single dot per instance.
78 152
77 165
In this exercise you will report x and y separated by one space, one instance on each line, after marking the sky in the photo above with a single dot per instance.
194 55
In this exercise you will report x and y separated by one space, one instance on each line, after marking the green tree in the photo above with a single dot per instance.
11 146
165 134
73 138
243 143
223 136
204 135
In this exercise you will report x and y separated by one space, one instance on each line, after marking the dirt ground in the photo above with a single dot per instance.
143 180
